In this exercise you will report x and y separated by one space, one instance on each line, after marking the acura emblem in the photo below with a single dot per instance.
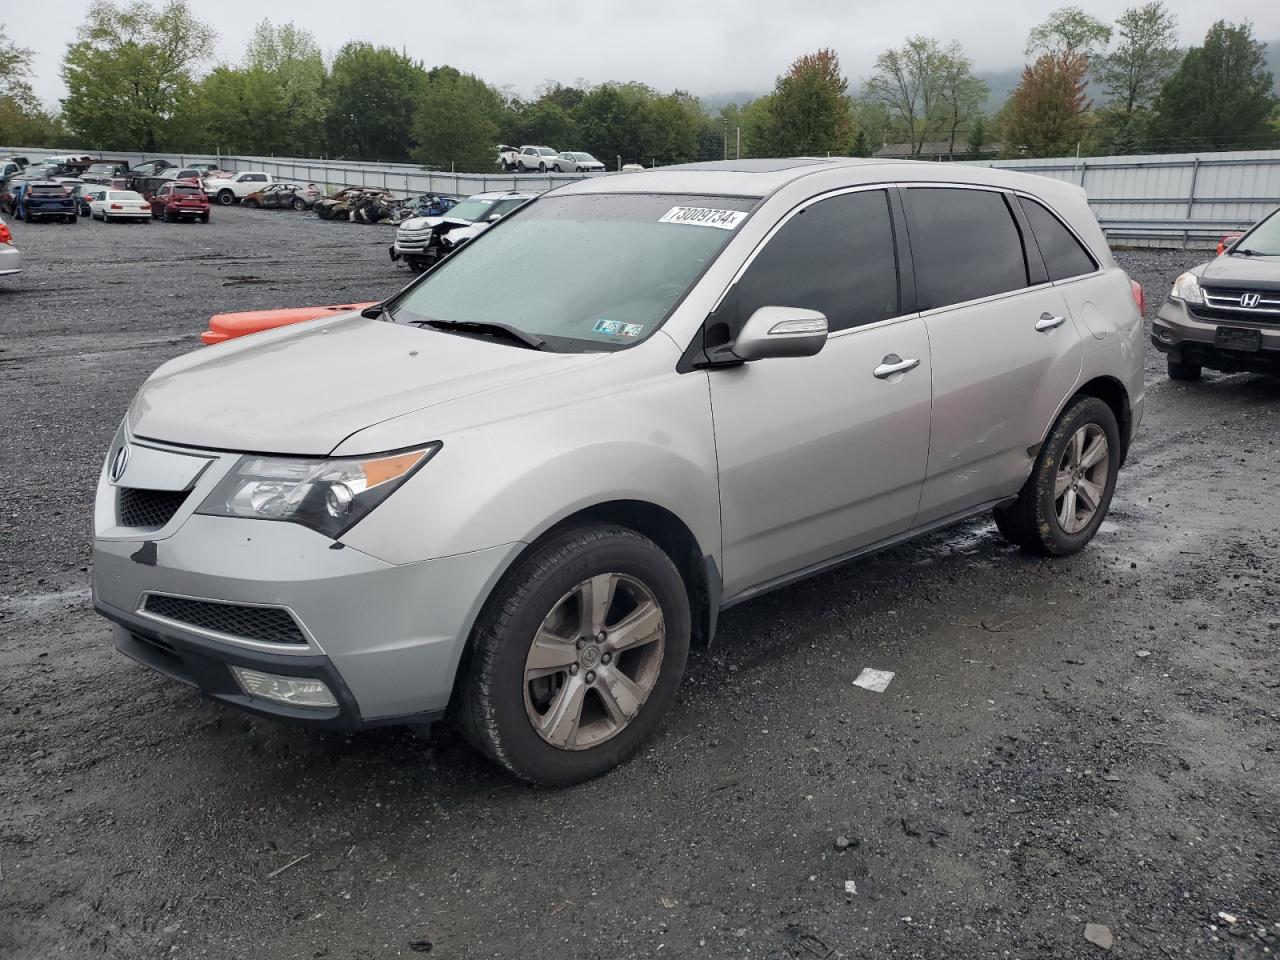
1250 300
119 462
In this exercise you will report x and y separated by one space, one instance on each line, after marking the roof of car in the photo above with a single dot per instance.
759 178
503 195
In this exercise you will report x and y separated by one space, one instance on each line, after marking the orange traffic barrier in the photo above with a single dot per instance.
227 326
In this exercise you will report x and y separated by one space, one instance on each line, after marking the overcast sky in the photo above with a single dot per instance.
704 46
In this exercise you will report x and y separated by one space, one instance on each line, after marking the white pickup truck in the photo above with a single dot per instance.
229 190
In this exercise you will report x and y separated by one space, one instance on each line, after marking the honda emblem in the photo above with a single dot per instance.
1249 300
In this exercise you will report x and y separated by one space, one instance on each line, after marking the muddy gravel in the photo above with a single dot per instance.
1065 746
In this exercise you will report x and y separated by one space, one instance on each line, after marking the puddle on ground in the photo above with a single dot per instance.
36 605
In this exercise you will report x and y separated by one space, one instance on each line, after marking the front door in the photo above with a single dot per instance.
820 456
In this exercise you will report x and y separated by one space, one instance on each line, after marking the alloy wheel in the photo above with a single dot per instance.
594 661
1081 480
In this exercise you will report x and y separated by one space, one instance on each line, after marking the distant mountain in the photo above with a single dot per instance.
1000 82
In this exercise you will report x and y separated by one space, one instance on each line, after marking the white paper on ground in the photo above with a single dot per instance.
877 681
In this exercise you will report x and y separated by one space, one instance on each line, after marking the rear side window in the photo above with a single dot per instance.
1063 255
965 244
836 256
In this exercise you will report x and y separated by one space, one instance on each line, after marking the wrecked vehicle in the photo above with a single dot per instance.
277 196
521 487
1225 314
340 205
421 241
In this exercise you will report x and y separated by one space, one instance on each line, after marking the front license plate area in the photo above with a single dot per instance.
1238 338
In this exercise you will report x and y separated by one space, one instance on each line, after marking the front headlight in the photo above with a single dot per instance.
1187 289
329 496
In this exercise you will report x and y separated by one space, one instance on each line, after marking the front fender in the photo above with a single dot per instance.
522 471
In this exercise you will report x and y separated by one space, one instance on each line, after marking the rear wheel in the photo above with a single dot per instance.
1181 370
542 168
70 219
299 203
577 656
204 218
1066 498
226 197
520 166
169 216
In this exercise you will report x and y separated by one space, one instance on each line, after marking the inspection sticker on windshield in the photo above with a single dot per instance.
616 328
704 217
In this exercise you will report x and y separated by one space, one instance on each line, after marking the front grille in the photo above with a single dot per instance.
267 624
1219 315
147 508
1228 303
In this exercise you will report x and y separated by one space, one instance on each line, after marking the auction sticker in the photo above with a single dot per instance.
704 217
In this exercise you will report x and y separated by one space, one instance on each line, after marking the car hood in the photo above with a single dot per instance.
420 223
218 182
304 389
1261 273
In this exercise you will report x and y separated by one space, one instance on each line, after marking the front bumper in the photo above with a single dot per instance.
385 638
1189 339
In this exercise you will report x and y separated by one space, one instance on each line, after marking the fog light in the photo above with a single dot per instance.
295 691
1165 335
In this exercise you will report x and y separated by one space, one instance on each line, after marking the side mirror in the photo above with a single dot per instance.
781 332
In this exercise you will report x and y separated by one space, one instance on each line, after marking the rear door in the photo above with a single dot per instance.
1005 350
820 456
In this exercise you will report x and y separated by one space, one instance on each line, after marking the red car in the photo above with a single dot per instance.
180 201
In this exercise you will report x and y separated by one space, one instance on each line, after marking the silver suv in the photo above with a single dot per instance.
520 488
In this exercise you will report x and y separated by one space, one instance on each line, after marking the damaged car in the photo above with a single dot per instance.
421 241
343 204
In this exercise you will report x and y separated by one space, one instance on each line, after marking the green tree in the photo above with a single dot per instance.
1069 30
1046 115
926 91
1221 96
609 121
290 57
758 138
22 119
374 94
811 110
671 128
456 126
1132 74
128 70
978 137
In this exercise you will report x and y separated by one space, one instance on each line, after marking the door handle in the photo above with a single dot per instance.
894 364
1049 322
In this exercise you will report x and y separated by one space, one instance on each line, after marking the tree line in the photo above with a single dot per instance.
136 80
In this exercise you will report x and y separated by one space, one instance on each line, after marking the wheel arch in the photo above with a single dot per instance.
697 569
1113 393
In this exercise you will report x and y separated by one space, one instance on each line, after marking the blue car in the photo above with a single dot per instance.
36 200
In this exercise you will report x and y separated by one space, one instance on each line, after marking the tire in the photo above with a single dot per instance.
226 197
542 168
1034 521
520 166
496 700
168 216
70 219
1181 370
557 169
204 218
415 265
299 203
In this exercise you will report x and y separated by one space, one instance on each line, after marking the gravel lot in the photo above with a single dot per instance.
1091 740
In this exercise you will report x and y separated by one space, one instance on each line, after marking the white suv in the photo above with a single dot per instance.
234 189
541 159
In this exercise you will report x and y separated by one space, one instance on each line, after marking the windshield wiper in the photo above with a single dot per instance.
1246 252
487 327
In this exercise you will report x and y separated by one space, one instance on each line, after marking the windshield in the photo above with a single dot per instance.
472 209
608 270
546 151
1264 239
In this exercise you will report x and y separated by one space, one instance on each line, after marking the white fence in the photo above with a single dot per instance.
1186 199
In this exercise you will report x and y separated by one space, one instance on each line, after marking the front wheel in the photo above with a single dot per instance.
542 168
299 203
520 166
577 656
1181 370
1066 498
226 198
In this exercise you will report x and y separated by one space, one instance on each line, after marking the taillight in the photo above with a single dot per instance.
5 235
1139 297
116 206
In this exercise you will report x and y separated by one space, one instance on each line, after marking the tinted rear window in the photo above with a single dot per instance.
1063 255
45 190
965 244
189 190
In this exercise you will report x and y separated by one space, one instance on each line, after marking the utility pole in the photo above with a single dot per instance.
738 152
724 123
